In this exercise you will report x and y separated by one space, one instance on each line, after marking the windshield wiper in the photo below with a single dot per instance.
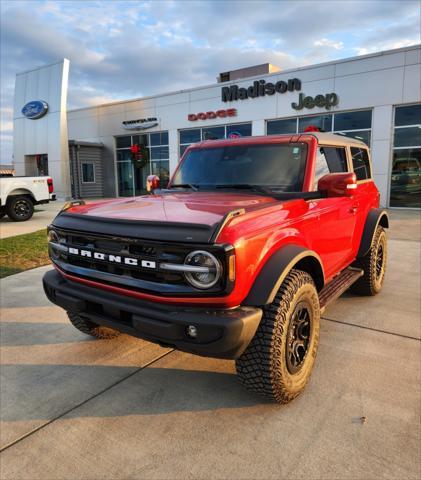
186 185
246 186
278 195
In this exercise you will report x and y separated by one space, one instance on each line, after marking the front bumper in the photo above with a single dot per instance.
222 333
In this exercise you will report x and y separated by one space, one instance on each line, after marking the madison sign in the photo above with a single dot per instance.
261 88
140 124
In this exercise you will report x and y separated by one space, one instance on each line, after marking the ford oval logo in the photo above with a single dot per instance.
35 109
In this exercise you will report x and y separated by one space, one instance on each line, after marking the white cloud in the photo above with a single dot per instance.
385 46
324 42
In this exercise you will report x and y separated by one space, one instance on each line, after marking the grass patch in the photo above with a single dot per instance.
23 252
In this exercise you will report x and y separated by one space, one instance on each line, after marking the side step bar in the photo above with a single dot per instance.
336 287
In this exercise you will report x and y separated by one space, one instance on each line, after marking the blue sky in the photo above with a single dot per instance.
126 49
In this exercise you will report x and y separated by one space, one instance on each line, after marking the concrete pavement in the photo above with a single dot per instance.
79 408
42 217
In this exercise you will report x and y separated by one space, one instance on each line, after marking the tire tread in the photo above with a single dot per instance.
365 285
90 328
256 368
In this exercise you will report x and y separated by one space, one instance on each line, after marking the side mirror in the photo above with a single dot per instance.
152 183
338 184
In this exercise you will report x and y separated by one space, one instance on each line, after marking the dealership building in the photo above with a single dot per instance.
109 150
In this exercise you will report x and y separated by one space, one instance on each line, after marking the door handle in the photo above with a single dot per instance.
353 209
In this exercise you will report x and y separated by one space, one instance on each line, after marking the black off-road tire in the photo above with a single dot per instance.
90 328
19 208
374 266
264 367
2 214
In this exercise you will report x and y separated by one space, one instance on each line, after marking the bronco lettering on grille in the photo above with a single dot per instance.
112 258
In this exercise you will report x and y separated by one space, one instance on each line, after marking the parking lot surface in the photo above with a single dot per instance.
41 219
43 216
76 408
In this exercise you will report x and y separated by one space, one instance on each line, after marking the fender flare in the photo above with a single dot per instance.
375 217
20 192
277 267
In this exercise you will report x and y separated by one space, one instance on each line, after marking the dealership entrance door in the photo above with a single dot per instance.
36 165
131 178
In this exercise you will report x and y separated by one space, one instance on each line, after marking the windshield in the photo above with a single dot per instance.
271 165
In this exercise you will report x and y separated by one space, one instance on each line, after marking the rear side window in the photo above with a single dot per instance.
360 163
329 160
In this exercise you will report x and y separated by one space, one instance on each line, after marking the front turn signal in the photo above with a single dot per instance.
231 268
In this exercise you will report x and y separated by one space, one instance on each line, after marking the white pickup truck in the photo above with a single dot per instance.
18 195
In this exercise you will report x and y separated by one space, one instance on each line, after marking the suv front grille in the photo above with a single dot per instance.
137 277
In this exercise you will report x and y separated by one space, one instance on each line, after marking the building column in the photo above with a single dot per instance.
381 149
258 128
173 147
47 134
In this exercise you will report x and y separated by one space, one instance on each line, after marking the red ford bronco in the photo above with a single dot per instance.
237 258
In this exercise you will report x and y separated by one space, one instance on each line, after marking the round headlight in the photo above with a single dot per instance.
205 269
53 240
53 237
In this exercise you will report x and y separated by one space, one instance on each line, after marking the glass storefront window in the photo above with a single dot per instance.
364 135
408 137
213 133
352 124
160 138
190 136
125 179
160 153
140 139
405 189
324 122
405 180
408 115
162 169
278 127
239 130
183 149
123 142
353 120
132 179
124 155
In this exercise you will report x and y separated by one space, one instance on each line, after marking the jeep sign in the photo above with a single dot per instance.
327 101
260 88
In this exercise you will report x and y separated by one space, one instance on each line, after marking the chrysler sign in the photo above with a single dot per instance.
140 124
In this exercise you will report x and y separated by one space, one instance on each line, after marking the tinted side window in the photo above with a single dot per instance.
329 160
360 163
322 168
336 159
